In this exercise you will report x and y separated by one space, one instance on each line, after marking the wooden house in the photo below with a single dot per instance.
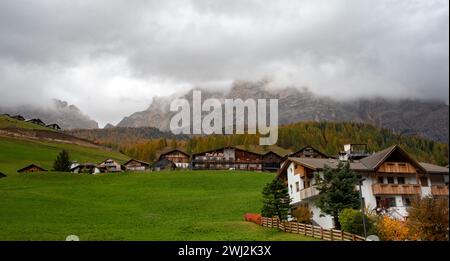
54 126
109 165
31 168
251 157
89 168
178 156
163 164
309 152
36 121
136 165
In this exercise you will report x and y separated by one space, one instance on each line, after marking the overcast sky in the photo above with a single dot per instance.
111 57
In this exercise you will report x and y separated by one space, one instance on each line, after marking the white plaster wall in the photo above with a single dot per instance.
292 179
326 221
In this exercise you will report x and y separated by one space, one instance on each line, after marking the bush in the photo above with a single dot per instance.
351 221
302 214
392 230
428 219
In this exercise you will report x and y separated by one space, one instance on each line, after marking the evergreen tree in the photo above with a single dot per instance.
62 162
337 191
276 200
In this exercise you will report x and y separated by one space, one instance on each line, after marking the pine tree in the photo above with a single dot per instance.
276 200
337 191
62 162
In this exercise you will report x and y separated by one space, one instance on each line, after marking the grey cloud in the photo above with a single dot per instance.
337 48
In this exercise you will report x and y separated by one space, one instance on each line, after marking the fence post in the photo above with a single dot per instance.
321 233
353 237
331 235
342 235
312 230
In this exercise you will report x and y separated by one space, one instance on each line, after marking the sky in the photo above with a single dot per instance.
110 57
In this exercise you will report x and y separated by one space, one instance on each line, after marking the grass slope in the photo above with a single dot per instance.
7 122
178 205
17 153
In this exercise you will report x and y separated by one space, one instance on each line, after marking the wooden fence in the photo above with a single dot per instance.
310 230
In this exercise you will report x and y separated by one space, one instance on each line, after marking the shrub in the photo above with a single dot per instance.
392 230
428 219
303 214
351 221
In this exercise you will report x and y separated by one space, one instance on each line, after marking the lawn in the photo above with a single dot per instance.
177 205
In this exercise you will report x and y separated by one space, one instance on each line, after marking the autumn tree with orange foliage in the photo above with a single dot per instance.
428 219
392 230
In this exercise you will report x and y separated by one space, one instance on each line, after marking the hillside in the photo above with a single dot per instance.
23 143
428 119
60 112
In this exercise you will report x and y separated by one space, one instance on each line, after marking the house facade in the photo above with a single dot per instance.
109 165
136 165
253 158
391 179
178 156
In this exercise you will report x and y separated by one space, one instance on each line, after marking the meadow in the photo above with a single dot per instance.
167 205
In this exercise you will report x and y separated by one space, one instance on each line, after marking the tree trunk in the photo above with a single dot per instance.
337 225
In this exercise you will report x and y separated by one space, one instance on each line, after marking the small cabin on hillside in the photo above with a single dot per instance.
54 126
37 121
5 114
31 168
109 165
2 175
136 165
176 155
89 168
18 117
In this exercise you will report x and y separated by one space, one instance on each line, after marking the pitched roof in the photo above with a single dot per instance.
31 166
262 150
373 161
310 147
169 149
89 165
431 168
319 164
142 162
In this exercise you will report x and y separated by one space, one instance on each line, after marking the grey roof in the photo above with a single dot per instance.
430 168
319 164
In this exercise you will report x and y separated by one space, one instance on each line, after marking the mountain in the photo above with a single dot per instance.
425 118
108 126
60 112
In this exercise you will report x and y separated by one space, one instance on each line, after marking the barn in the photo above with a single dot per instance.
31 168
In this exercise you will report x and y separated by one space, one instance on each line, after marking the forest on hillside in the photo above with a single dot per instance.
328 137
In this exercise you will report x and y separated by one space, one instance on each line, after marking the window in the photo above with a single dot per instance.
424 181
297 186
290 187
400 180
390 180
380 180
406 201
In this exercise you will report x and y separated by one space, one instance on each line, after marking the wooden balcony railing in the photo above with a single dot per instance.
309 192
439 190
393 189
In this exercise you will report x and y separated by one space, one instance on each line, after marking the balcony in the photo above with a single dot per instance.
439 190
309 192
395 189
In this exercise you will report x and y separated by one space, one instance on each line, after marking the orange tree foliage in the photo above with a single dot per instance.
428 219
392 230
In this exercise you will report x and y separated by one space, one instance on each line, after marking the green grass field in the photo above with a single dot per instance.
177 205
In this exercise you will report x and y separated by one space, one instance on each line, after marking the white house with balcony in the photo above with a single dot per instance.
391 179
